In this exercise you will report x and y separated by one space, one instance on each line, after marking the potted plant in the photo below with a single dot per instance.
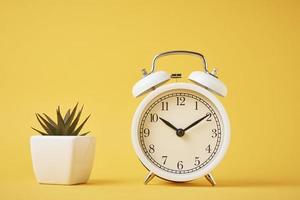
61 154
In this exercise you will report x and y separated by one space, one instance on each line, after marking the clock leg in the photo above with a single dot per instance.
149 177
210 179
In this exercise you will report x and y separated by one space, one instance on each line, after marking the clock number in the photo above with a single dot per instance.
164 159
209 117
214 131
196 105
208 149
146 132
164 105
180 101
180 165
197 161
153 117
151 148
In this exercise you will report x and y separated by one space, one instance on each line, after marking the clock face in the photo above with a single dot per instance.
180 131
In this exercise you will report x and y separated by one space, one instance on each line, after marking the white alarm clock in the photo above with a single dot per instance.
180 131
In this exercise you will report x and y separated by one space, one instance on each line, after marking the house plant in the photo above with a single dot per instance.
61 154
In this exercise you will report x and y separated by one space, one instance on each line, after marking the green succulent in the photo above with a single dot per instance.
65 126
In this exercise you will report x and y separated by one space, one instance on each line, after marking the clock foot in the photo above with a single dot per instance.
149 177
210 179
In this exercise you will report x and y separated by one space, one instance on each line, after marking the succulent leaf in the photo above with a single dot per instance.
60 122
83 134
46 125
50 120
42 124
70 119
75 122
67 116
40 132
76 132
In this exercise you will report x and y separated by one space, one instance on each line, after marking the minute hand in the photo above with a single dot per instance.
195 123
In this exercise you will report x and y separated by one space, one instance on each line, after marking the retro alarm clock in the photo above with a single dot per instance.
180 131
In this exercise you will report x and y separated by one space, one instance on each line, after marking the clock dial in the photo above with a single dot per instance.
180 131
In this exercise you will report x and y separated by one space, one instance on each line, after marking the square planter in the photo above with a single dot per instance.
62 159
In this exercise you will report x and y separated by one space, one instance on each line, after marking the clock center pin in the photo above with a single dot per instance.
180 132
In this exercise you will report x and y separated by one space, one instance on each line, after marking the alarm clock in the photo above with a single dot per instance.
180 131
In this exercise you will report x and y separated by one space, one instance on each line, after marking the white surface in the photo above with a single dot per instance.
62 159
186 120
149 81
210 82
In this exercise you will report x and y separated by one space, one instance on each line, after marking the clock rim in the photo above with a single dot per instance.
180 177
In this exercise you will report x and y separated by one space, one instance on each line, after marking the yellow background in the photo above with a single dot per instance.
62 52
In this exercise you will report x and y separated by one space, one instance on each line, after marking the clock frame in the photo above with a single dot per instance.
180 177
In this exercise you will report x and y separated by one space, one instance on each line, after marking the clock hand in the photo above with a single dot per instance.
168 124
195 123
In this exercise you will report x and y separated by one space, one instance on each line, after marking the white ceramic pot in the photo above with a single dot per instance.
62 159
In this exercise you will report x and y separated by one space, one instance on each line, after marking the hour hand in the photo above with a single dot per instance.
168 124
